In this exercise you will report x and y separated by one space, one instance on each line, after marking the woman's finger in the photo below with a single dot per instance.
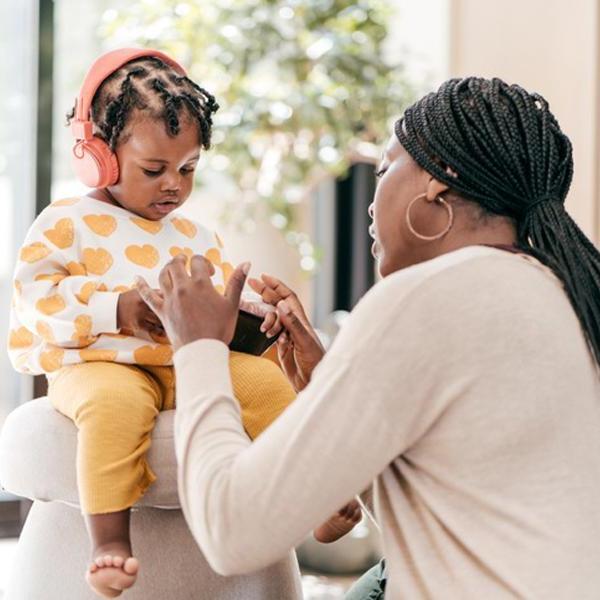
283 346
201 269
235 285
285 354
164 279
282 290
297 331
257 285
267 293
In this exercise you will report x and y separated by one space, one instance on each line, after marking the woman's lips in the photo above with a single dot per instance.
375 244
375 249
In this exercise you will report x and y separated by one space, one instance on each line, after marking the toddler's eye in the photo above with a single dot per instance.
380 173
188 170
152 173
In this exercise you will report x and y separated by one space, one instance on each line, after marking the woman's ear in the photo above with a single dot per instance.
435 188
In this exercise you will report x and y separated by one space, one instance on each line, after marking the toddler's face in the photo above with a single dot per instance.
156 170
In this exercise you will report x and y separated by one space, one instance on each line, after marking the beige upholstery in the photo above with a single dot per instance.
37 461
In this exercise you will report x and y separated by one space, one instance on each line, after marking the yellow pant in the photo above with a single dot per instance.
115 406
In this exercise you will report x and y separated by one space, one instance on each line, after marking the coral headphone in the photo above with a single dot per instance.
94 162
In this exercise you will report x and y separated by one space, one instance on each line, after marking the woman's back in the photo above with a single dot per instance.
492 399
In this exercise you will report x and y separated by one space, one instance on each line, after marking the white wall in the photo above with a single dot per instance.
547 46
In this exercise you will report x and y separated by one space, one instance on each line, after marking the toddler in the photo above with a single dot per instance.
140 124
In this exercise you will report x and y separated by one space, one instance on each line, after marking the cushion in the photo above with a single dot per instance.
38 449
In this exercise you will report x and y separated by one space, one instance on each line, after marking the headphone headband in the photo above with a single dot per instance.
104 66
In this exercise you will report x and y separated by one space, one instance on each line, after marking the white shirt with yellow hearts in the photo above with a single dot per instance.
79 254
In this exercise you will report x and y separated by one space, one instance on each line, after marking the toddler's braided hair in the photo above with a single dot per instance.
509 155
149 85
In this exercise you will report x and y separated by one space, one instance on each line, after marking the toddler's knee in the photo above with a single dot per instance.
114 402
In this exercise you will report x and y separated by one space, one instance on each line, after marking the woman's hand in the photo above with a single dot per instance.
189 306
299 348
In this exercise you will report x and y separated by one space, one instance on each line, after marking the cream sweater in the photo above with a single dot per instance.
79 254
462 388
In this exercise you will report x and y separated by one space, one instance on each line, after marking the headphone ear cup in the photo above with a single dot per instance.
95 163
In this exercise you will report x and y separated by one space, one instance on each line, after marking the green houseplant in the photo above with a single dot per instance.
303 87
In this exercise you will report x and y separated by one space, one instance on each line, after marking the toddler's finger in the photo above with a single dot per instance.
149 296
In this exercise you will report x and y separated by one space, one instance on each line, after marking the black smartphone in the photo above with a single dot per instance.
248 337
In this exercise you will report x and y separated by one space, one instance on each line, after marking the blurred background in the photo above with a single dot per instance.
308 92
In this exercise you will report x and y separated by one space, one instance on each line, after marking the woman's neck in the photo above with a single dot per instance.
498 231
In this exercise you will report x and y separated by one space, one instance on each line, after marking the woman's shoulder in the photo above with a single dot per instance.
465 302
476 276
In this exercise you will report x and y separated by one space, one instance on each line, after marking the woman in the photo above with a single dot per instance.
464 385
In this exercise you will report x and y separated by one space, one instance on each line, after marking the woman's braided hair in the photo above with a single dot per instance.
153 87
509 155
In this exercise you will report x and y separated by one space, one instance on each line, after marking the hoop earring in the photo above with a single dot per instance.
430 238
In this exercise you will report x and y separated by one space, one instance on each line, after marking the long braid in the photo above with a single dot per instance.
148 84
118 108
508 154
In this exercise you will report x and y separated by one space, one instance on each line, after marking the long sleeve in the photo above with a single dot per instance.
248 504
78 256
464 389
60 298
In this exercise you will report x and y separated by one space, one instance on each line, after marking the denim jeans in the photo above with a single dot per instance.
371 586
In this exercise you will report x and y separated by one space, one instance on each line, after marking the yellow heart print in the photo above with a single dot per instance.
62 234
103 225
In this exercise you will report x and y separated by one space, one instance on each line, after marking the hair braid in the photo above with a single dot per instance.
118 108
507 153
150 85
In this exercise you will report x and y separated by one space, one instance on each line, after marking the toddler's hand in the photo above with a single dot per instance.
339 524
134 317
271 324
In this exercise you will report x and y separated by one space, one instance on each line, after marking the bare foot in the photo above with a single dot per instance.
340 524
113 570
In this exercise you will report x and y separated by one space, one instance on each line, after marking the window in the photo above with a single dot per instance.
18 115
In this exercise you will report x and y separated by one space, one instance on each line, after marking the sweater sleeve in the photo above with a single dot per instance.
57 297
370 398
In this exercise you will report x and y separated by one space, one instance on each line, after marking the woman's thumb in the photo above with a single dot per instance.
235 285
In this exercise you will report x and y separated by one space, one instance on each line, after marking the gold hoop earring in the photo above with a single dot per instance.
430 238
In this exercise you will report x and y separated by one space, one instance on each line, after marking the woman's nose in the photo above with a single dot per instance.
370 210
